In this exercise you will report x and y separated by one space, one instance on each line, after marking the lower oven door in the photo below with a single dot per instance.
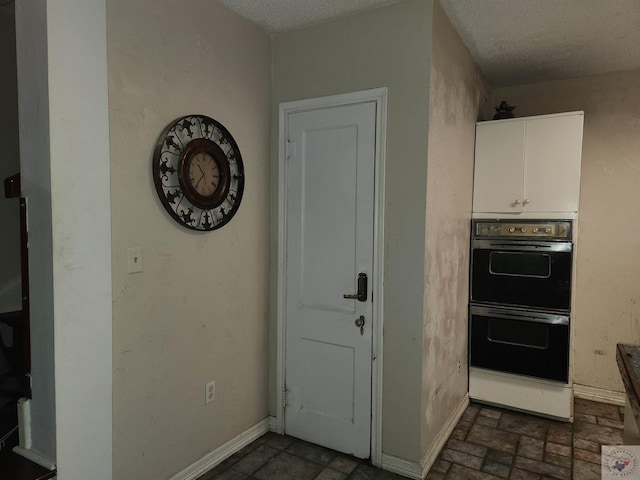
535 344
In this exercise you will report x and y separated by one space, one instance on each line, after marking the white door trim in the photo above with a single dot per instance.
379 96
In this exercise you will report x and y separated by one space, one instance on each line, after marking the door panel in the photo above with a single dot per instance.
337 356
499 166
553 155
329 205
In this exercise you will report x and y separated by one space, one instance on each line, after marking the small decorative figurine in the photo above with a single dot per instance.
504 110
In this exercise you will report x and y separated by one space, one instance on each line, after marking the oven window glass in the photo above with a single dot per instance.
520 264
522 334
505 344
525 278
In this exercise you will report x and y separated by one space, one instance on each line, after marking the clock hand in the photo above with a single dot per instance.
199 180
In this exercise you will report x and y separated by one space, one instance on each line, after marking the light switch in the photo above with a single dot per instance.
134 260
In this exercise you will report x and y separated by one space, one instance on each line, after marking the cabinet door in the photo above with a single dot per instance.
553 149
499 167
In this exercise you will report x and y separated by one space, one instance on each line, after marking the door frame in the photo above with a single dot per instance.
379 96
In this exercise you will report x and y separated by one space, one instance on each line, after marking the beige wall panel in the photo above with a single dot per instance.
457 94
386 46
199 311
607 307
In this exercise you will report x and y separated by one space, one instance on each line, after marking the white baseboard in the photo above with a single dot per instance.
598 394
35 457
24 423
223 452
420 470
401 467
273 424
24 435
432 454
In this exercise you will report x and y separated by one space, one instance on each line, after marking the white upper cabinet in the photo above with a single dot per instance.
499 168
528 165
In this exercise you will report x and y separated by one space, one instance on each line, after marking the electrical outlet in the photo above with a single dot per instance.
459 366
209 392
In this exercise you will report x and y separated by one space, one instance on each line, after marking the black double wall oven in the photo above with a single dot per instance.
519 311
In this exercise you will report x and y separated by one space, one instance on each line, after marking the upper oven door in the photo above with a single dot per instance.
521 273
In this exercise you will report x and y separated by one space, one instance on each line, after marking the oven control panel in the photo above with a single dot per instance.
548 230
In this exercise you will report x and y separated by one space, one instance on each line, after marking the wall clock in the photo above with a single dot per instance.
198 172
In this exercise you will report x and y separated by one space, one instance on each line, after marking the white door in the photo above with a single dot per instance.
329 243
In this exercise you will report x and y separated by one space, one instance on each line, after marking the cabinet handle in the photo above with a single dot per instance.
525 201
517 202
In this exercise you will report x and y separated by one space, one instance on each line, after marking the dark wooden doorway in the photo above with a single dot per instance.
19 356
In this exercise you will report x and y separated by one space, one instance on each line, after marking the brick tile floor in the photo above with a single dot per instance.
491 443
488 443
277 457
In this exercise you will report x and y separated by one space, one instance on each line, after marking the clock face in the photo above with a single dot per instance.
198 172
204 174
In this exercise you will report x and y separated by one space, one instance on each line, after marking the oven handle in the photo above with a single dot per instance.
519 315
522 247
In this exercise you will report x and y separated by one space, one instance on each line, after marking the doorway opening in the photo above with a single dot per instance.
14 306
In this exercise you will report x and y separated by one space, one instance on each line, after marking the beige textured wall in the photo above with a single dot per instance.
9 165
458 92
607 286
199 311
386 46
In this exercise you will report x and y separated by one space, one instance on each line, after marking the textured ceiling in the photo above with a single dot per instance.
521 41
281 15
513 41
